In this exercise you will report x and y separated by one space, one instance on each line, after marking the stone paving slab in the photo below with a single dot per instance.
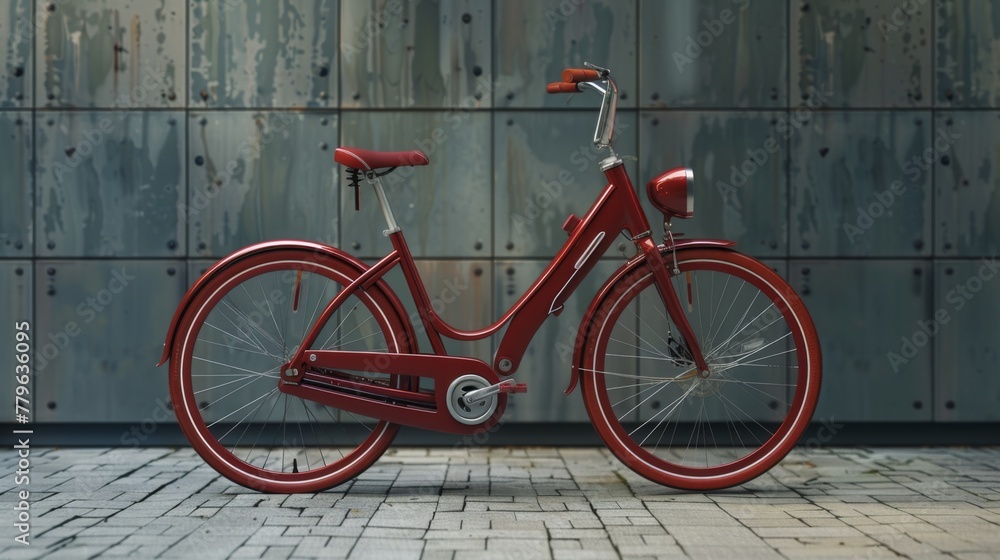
514 502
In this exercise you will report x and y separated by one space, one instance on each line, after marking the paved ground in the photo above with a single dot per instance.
511 503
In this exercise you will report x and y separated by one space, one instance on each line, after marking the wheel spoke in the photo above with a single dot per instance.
628 375
324 345
651 329
227 333
319 300
249 332
737 331
339 342
236 425
671 407
729 309
217 401
230 347
725 366
755 333
250 423
270 312
199 391
230 366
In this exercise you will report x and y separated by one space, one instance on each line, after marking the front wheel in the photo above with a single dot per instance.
675 425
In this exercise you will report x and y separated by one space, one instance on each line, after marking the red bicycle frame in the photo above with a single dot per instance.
617 210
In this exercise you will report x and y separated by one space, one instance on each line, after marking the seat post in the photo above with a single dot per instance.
383 203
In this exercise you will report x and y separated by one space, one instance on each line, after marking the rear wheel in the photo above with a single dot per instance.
238 332
679 427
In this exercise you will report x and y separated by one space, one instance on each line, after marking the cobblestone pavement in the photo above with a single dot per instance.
519 503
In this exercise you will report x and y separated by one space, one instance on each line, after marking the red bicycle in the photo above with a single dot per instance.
292 363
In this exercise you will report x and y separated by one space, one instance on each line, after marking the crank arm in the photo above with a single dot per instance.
505 386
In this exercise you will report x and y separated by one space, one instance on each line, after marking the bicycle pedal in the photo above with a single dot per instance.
505 386
514 388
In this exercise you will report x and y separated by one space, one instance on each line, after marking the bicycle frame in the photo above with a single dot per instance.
616 210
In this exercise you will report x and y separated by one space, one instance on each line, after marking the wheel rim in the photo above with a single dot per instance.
750 327
232 410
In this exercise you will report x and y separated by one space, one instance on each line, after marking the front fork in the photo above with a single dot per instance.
663 285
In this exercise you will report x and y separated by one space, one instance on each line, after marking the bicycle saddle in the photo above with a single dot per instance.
370 160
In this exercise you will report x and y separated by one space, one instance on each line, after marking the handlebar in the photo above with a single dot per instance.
575 79
562 87
577 75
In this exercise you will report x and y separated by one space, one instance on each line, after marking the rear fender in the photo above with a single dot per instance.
316 248
639 260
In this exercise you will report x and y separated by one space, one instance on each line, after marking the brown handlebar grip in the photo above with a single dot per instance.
577 75
562 87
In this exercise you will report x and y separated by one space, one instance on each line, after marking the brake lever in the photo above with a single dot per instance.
604 71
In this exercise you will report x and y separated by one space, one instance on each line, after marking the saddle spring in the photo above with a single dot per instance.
354 180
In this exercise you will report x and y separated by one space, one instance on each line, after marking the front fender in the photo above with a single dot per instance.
635 262
244 252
